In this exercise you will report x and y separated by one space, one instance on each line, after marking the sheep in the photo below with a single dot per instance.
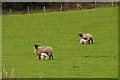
84 41
44 56
86 36
43 49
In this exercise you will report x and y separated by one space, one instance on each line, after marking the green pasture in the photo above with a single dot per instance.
60 30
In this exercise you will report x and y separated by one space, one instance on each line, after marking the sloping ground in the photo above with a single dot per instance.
60 30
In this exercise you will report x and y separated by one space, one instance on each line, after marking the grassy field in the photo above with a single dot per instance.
60 30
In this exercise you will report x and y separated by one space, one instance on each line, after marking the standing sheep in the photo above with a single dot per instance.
86 36
43 49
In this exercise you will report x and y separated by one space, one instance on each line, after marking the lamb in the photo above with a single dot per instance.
44 56
86 36
43 49
84 41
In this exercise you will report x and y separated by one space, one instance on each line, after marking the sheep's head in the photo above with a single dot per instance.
35 48
80 35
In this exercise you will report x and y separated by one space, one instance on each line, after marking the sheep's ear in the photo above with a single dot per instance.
79 34
35 45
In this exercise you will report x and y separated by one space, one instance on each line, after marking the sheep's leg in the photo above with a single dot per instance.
52 56
39 57
91 40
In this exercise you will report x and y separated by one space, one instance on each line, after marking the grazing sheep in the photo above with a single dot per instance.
84 41
86 36
43 49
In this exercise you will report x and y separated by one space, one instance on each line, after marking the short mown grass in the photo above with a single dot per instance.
60 30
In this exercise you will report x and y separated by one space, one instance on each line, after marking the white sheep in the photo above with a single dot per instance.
44 56
84 41
87 37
